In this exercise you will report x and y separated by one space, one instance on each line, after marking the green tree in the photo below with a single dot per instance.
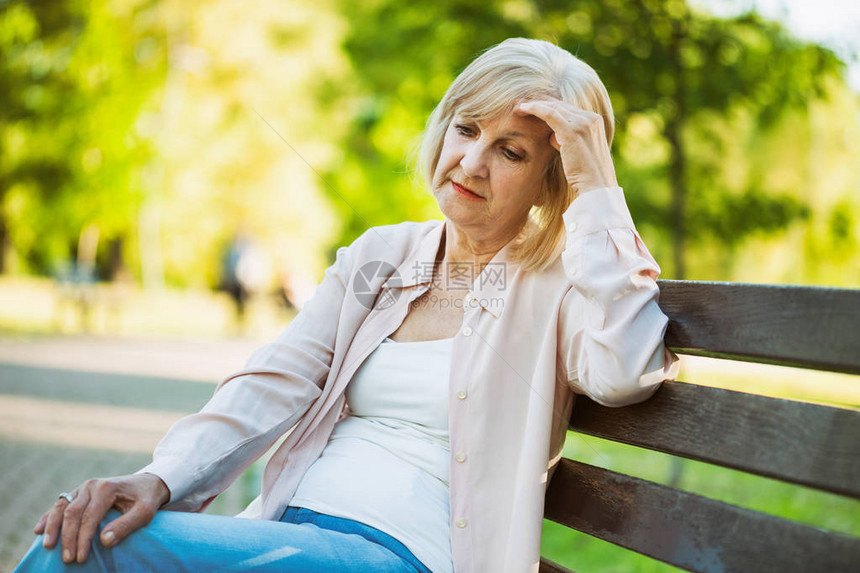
75 79
690 73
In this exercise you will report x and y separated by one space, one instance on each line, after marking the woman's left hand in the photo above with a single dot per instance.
580 138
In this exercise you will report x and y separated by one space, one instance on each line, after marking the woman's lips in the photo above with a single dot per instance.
466 192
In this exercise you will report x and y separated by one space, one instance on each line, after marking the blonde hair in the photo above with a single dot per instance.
517 70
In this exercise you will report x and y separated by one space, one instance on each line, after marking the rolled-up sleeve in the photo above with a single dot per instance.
610 326
203 453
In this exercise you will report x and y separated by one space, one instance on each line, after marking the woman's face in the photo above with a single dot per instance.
489 172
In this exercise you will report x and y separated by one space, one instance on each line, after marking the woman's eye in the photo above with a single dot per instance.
464 130
511 155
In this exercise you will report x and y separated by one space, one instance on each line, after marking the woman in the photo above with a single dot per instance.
432 375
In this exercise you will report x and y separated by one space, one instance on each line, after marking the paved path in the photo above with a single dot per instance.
74 408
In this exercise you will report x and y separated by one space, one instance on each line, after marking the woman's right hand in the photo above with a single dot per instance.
136 496
580 138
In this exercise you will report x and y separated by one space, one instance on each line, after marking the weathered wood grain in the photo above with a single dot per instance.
806 444
809 327
690 531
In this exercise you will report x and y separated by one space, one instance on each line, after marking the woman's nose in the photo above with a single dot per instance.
473 162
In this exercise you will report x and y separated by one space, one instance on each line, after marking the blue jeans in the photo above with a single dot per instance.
303 540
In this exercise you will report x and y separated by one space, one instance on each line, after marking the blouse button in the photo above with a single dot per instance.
467 331
461 523
461 457
461 394
571 227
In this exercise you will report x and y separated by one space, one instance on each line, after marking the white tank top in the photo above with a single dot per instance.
386 463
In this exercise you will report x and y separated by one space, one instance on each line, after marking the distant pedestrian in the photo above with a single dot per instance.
244 272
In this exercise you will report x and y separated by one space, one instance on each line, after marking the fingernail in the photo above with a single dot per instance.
67 555
46 541
108 538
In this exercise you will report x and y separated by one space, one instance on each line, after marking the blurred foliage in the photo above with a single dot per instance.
76 78
154 133
147 121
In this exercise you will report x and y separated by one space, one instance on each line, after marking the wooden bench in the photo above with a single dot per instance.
807 444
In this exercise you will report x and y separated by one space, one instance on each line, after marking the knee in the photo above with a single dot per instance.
38 558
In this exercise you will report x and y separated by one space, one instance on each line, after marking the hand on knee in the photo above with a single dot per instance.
75 523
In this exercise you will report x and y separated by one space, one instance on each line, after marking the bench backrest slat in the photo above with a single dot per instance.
807 444
687 530
810 327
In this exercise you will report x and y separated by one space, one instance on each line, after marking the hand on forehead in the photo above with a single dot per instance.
563 119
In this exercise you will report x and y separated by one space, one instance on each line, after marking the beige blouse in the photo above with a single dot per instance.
529 340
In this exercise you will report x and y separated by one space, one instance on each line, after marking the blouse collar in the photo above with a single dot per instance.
489 289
